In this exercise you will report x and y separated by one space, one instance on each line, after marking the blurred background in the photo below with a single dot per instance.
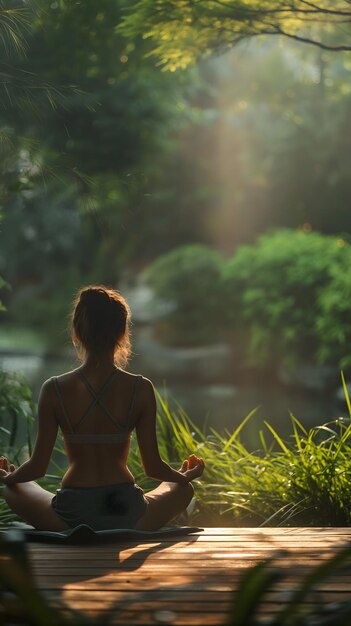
216 198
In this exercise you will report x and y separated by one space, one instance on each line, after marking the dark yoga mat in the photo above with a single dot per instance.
84 534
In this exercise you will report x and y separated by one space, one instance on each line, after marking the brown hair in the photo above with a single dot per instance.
101 322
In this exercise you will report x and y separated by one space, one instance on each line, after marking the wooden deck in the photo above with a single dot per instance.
186 580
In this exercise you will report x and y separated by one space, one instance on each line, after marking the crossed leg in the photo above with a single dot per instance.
33 504
165 502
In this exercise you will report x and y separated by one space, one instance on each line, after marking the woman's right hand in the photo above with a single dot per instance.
6 469
193 467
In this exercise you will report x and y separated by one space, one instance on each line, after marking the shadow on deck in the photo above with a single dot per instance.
191 579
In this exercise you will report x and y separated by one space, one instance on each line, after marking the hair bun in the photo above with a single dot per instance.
94 297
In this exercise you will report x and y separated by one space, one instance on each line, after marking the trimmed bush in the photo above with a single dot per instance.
189 279
291 293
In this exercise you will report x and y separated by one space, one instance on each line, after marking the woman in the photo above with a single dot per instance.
97 406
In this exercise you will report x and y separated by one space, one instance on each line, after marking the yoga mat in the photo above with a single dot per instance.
84 534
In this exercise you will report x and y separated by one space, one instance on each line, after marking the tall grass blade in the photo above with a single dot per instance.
238 430
278 438
255 583
347 397
317 575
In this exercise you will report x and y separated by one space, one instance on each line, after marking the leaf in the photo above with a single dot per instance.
253 586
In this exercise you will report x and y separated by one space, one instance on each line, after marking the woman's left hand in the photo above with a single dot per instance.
6 469
193 467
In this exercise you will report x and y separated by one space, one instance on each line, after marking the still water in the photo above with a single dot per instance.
221 404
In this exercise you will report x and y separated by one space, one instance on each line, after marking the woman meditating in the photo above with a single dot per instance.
97 406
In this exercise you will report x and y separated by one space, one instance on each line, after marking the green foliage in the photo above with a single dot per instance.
303 608
285 292
334 322
287 297
14 24
17 412
302 482
114 131
3 285
48 315
80 172
16 408
183 32
188 279
112 174
24 95
16 577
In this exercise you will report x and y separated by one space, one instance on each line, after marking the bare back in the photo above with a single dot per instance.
76 410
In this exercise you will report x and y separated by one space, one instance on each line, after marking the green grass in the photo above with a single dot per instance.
302 481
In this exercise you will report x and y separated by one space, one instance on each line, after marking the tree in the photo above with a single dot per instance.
98 148
184 31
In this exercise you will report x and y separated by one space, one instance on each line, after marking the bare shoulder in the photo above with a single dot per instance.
47 395
146 389
145 392
145 383
66 377
48 387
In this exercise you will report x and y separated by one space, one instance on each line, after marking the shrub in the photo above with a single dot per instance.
287 291
189 278
334 321
17 412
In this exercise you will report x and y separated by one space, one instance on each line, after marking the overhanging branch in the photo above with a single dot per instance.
308 40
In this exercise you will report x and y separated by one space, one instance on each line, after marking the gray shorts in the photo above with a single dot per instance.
102 508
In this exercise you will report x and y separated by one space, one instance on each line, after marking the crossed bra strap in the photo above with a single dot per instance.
116 437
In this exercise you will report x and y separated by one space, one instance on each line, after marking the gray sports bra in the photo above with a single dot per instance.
124 430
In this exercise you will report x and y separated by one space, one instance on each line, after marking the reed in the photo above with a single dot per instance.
302 481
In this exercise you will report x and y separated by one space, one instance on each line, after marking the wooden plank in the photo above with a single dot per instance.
306 542
183 597
184 550
178 585
218 545
163 565
196 547
194 578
